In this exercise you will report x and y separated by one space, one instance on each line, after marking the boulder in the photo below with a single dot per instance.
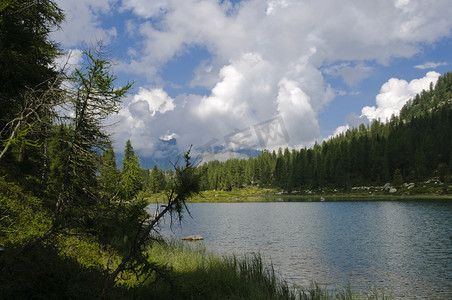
193 238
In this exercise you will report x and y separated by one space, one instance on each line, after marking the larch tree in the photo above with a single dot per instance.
92 98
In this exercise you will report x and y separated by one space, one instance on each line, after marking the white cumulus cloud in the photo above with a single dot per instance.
267 58
394 94
157 100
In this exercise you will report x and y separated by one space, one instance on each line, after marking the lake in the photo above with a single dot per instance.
404 247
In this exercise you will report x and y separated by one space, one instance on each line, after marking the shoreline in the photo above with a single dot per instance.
260 194
325 198
267 195
351 197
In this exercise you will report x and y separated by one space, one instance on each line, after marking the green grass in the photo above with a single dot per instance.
191 272
423 190
246 194
198 274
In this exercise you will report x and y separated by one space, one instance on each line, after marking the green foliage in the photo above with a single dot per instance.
436 97
41 273
92 100
187 179
109 175
22 217
397 178
117 224
138 238
157 180
132 174
26 54
28 86
199 275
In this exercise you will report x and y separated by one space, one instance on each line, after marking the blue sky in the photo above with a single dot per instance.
206 70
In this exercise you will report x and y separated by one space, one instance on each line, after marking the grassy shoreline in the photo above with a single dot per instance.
272 195
353 197
77 270
258 194
198 274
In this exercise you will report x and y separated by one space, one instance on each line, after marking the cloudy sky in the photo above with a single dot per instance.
260 73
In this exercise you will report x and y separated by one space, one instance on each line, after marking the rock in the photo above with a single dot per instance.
193 238
387 186
392 190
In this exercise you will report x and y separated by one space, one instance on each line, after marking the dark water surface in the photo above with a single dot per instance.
403 247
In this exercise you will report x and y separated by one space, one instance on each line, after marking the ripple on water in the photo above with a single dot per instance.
403 247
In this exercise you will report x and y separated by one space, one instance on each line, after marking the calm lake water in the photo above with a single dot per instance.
403 247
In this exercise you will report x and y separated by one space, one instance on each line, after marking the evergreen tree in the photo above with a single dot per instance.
158 180
185 183
92 99
26 54
131 174
397 178
29 85
109 174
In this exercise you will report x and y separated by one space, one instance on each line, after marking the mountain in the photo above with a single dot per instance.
430 100
166 154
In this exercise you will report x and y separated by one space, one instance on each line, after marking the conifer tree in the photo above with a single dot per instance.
109 175
158 181
131 174
93 98
29 85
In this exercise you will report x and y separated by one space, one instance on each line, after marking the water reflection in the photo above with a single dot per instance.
403 246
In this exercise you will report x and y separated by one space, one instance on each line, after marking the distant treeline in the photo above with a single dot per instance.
412 147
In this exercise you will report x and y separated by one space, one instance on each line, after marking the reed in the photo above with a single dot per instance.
198 274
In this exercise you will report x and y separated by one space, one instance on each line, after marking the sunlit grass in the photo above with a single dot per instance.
248 194
201 275
198 274
187 271
261 194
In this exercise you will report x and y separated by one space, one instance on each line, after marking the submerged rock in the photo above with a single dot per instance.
193 238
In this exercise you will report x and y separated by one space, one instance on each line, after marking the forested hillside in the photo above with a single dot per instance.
413 147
